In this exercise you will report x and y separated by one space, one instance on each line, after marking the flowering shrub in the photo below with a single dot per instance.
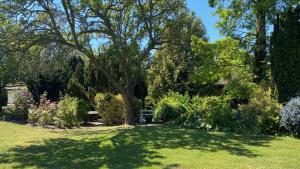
290 116
68 113
44 113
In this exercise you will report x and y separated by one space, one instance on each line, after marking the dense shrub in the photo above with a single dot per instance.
101 100
82 110
201 112
261 115
290 116
111 108
76 89
67 112
239 89
34 115
171 106
194 118
9 113
44 113
217 113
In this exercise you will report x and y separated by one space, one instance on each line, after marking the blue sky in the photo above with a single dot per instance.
205 12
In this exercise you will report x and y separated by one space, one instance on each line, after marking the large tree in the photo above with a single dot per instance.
171 66
116 35
248 21
285 54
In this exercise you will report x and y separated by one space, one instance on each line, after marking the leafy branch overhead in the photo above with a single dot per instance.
220 60
117 36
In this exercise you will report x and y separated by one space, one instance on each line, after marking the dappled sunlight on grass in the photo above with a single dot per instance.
139 147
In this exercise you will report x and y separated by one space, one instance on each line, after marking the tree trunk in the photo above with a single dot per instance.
129 117
260 47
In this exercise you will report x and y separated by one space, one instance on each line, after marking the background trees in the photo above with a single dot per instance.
248 21
47 68
171 66
285 54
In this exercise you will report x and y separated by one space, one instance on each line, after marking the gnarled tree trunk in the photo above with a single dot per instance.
129 116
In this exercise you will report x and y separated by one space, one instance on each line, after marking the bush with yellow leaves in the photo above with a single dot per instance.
111 108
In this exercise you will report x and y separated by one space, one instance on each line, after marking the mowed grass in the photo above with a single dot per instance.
23 146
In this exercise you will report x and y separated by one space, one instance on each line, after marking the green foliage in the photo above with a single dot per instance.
240 89
173 64
43 114
34 116
195 117
237 18
171 106
248 21
82 110
67 112
48 68
222 60
9 66
285 54
149 147
127 32
111 108
261 115
75 89
9 113
217 113
101 99
23 101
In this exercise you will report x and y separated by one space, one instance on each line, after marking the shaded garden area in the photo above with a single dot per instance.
142 147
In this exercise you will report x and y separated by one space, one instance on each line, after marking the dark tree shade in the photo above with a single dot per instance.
285 54
3 97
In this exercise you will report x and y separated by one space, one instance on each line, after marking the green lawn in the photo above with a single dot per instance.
141 147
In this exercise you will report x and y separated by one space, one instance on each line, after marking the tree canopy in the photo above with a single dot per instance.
118 36
248 21
172 65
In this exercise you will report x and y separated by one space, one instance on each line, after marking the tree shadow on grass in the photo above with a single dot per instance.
127 148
